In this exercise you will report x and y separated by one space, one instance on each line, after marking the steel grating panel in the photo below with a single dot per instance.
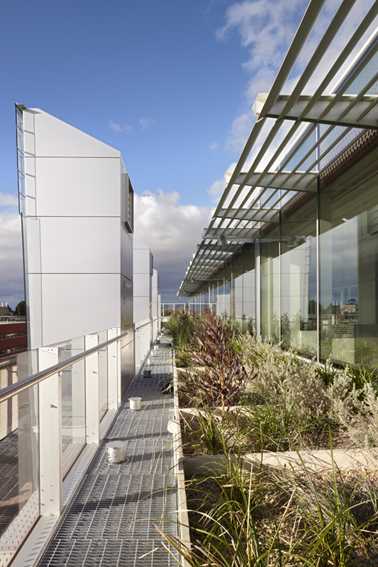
111 520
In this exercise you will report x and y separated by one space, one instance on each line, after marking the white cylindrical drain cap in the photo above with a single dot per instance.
135 404
116 454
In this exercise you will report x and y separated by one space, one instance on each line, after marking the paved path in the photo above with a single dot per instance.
110 522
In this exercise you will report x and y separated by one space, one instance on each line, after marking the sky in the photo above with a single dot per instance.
169 83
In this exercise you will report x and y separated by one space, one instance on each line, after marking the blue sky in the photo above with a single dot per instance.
170 83
147 77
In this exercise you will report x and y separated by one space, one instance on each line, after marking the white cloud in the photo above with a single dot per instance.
217 189
11 270
121 129
8 200
266 28
172 231
214 146
145 123
240 130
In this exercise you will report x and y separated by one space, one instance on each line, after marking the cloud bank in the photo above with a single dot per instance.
11 269
172 231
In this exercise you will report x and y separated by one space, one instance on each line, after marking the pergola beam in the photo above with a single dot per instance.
255 215
287 180
361 114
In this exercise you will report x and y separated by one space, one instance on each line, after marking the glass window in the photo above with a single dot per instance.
20 162
269 287
20 139
19 118
349 266
298 275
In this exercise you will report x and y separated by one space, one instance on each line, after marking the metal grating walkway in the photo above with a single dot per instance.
110 521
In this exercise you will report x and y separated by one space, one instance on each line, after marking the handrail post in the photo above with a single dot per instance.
114 386
92 392
50 435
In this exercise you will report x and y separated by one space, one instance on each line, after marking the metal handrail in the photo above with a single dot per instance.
141 326
18 387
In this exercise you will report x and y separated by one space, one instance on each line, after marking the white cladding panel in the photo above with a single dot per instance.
142 281
79 304
127 252
155 294
142 261
138 245
141 309
80 245
78 251
78 187
141 285
56 138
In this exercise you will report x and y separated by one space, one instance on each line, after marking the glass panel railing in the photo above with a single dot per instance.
103 374
19 463
73 414
28 482
73 403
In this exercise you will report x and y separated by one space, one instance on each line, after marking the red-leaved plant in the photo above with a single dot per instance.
223 376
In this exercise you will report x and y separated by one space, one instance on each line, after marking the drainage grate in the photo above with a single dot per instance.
111 521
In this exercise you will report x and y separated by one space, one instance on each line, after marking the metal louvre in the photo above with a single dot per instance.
307 134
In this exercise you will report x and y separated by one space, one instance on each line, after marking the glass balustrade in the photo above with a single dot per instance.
61 413
103 374
19 467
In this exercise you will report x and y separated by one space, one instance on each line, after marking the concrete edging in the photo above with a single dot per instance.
178 466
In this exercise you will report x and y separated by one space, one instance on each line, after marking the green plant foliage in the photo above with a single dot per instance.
183 357
223 376
280 517
181 328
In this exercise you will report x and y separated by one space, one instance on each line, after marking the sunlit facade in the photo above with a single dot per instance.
77 214
293 250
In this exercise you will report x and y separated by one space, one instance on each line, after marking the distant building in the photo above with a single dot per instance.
12 336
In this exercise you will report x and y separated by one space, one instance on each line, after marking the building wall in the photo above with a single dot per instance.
309 281
77 250
317 293
142 281
146 303
155 304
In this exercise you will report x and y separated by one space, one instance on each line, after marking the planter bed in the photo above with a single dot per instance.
278 455
352 471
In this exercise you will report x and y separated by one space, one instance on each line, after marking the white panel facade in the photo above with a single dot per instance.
142 282
78 251
155 286
90 239
78 302
67 140
142 285
82 187
141 260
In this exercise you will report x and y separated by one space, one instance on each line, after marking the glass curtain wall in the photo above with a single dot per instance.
349 266
244 288
305 281
298 275
269 286
223 299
